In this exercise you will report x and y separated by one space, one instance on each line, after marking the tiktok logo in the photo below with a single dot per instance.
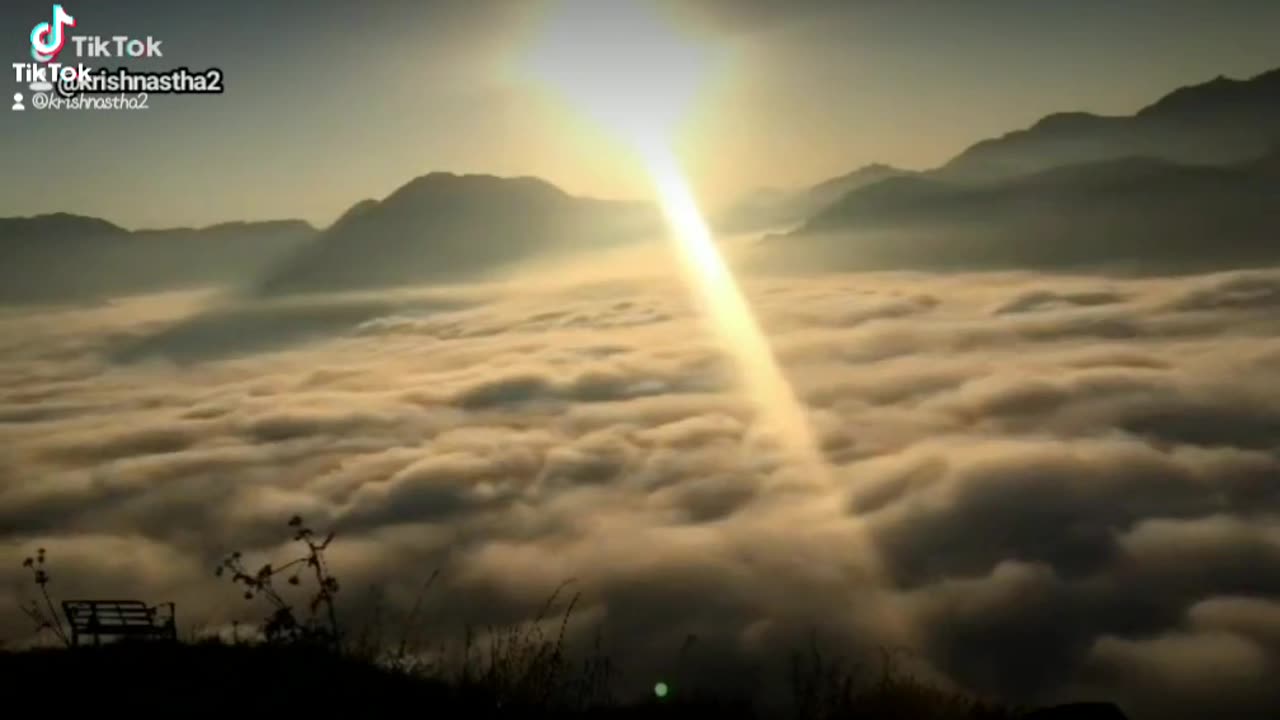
47 38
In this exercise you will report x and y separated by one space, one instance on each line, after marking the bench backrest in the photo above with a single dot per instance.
105 614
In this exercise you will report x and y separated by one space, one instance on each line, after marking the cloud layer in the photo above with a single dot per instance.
1046 486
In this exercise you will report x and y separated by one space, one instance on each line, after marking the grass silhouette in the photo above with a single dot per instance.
44 617
519 681
302 662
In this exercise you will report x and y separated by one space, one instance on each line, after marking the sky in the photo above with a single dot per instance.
329 103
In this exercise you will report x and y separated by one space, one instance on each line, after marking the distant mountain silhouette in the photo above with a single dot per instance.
759 209
1138 212
771 208
1221 122
447 227
1190 182
828 191
63 257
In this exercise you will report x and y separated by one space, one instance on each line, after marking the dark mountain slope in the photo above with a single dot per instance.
765 209
71 258
1220 122
1137 213
444 227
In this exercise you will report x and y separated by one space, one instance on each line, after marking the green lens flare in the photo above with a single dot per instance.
661 689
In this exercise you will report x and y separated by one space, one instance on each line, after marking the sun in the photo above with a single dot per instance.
621 63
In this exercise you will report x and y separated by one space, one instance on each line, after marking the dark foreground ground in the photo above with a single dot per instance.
247 681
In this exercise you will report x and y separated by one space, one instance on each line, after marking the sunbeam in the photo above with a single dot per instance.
622 66
729 312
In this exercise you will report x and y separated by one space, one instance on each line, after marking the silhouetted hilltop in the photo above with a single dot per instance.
359 208
1220 122
1221 96
65 225
1136 183
63 257
1137 212
150 679
771 207
231 231
828 191
1190 182
444 227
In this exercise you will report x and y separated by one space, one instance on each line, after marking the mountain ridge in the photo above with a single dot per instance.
982 160
71 217
1221 121
447 226
61 257
1190 180
443 226
1138 213
767 208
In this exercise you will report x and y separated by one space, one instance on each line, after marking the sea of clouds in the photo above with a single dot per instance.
1043 487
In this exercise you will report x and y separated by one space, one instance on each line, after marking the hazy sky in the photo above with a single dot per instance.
331 102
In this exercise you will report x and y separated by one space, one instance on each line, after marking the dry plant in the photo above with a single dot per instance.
45 618
320 626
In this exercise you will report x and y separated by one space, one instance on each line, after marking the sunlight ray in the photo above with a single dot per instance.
622 66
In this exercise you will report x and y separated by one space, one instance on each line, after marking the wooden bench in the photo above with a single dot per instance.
121 619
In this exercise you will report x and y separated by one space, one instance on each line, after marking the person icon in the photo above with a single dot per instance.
17 102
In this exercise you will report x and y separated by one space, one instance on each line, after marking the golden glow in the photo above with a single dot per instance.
646 123
730 314
621 64
631 73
